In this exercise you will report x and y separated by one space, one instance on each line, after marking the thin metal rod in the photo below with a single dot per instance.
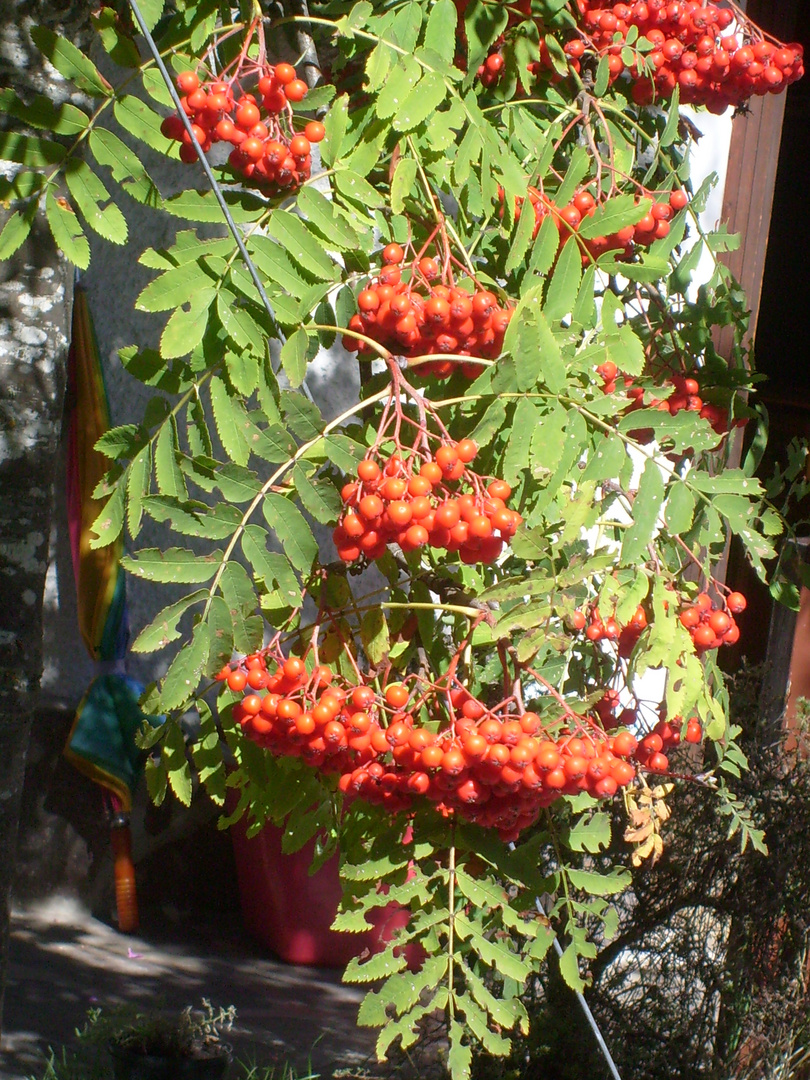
614 1072
243 251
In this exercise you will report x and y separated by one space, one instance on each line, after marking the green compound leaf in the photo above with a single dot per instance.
126 167
15 232
220 627
187 325
28 150
440 32
376 967
174 288
271 567
294 356
596 884
318 495
185 672
402 183
66 231
114 38
517 458
108 525
505 1012
193 519
178 565
300 244
398 87
71 62
613 215
294 535
175 763
423 100
136 117
569 968
590 833
240 596
168 476
138 485
401 991
561 295
646 508
374 635
40 112
477 1023
163 628
459 1059
498 956
151 11
121 442
232 422
521 242
679 512
324 215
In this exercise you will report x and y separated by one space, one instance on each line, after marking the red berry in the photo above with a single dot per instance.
295 90
315 131
284 73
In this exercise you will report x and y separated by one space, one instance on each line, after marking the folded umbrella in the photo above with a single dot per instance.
101 743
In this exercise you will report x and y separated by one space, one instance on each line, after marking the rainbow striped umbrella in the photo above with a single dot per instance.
101 743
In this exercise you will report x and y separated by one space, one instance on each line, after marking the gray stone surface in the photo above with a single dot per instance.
63 962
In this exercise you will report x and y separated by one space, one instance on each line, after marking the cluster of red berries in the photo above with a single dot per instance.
653 226
266 148
410 503
422 315
492 766
598 629
686 398
691 49
492 68
650 752
689 45
712 626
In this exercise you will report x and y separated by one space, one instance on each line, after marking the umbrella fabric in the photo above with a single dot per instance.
102 740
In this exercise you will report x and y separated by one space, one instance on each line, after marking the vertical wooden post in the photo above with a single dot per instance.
752 163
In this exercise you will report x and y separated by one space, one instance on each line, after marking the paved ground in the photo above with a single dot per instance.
63 962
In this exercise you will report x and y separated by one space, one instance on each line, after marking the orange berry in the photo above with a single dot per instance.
237 680
284 73
431 471
466 450
371 507
315 131
499 489
416 536
446 458
393 254
296 90
396 695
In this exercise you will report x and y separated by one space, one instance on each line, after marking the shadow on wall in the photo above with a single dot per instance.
184 863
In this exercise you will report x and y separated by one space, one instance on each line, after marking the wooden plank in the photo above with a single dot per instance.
752 165
787 661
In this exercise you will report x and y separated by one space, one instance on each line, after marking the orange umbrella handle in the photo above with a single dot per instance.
126 897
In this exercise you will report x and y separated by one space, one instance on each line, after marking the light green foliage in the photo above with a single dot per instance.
624 503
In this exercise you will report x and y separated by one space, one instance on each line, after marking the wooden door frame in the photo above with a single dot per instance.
751 178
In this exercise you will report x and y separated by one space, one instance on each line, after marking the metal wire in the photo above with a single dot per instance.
243 251
614 1072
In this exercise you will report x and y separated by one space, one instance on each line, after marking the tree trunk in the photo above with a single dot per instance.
35 303
35 289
